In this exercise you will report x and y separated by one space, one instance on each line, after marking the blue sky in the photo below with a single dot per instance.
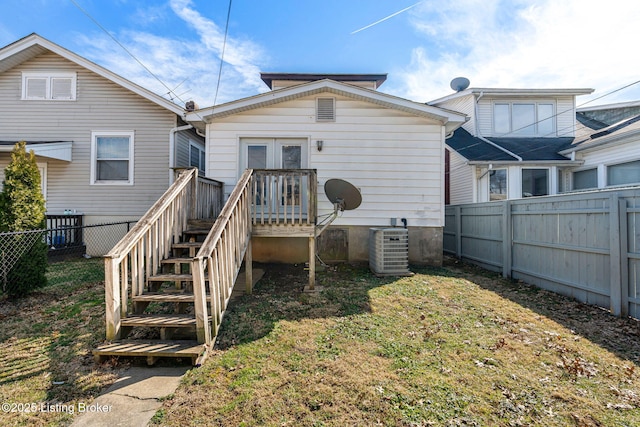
512 44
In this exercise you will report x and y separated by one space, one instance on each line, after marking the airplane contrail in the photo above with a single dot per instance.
388 17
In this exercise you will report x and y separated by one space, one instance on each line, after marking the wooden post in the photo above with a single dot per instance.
248 267
458 232
200 302
112 298
507 237
624 258
615 293
312 264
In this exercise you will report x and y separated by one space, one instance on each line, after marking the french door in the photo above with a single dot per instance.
283 193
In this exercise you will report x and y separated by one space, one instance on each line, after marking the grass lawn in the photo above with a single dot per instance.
454 346
45 346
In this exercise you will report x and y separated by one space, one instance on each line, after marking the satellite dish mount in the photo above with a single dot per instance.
344 197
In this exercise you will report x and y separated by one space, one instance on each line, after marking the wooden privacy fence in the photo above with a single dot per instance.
139 253
583 245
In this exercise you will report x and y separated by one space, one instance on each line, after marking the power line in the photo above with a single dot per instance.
224 47
124 48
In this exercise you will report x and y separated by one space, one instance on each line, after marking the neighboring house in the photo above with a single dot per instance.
607 145
105 146
390 148
510 148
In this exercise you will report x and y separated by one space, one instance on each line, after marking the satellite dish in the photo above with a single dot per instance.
459 84
342 194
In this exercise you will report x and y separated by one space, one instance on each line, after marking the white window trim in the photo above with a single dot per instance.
511 131
42 168
48 91
583 169
506 171
94 154
201 150
549 186
617 163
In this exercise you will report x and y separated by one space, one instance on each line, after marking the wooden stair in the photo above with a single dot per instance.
165 306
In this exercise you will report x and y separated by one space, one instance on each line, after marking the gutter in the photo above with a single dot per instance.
172 148
482 138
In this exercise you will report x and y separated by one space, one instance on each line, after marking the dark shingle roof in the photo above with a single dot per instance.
475 149
530 149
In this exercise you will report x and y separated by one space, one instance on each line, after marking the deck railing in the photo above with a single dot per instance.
139 253
284 196
219 259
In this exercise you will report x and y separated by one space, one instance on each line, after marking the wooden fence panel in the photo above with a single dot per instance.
584 245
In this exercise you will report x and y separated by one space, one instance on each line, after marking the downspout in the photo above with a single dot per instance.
172 149
475 107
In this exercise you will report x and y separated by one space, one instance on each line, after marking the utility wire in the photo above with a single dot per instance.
123 47
224 46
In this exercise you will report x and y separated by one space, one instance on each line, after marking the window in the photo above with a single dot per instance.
624 173
48 86
585 179
535 182
523 119
112 158
325 110
197 157
498 184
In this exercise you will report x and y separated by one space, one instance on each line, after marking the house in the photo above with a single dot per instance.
608 147
105 146
390 148
511 146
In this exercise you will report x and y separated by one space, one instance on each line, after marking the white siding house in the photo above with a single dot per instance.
390 148
510 148
103 143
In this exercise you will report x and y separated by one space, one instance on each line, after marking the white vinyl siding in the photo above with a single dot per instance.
394 158
461 179
49 85
100 106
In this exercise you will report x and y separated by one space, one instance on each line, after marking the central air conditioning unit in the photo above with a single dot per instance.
389 251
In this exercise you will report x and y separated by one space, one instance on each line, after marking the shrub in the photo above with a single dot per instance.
22 209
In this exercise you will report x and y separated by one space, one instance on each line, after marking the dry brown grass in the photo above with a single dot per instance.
452 346
45 346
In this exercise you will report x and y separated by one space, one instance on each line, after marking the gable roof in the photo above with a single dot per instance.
530 150
450 119
33 45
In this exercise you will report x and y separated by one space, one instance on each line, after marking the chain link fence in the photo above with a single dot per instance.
67 238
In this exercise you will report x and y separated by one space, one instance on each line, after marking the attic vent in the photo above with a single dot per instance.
326 110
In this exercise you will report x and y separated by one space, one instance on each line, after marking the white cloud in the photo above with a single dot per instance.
186 68
573 43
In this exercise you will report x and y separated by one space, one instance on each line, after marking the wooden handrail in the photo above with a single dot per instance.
140 252
123 247
220 257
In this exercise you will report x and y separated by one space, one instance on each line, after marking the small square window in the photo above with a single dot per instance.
112 158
